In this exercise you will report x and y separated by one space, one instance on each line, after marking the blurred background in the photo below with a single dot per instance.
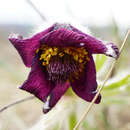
108 20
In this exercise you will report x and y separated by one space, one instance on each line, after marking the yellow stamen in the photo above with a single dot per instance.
79 54
37 50
61 54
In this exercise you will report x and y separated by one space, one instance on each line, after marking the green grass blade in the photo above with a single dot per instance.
100 60
120 83
72 120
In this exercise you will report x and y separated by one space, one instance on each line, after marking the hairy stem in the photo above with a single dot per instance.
16 102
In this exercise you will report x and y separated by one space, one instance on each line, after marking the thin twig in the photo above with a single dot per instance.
37 10
105 80
16 102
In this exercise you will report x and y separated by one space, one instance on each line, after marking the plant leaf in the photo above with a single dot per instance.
100 60
72 120
120 83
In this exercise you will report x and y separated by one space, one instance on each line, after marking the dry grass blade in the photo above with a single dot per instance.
100 89
37 10
16 102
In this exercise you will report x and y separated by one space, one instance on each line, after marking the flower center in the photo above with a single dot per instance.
63 63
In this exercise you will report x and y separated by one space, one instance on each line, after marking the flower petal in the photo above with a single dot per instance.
27 47
62 37
36 83
55 95
66 37
97 46
87 85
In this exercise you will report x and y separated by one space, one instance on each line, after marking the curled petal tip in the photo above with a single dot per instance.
15 36
45 111
98 100
46 107
112 50
92 95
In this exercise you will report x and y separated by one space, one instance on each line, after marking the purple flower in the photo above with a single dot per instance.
60 57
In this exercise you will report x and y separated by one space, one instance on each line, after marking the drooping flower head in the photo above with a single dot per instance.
60 57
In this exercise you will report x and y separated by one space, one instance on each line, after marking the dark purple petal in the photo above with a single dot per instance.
36 83
55 95
27 47
62 38
97 46
87 85
65 37
93 44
